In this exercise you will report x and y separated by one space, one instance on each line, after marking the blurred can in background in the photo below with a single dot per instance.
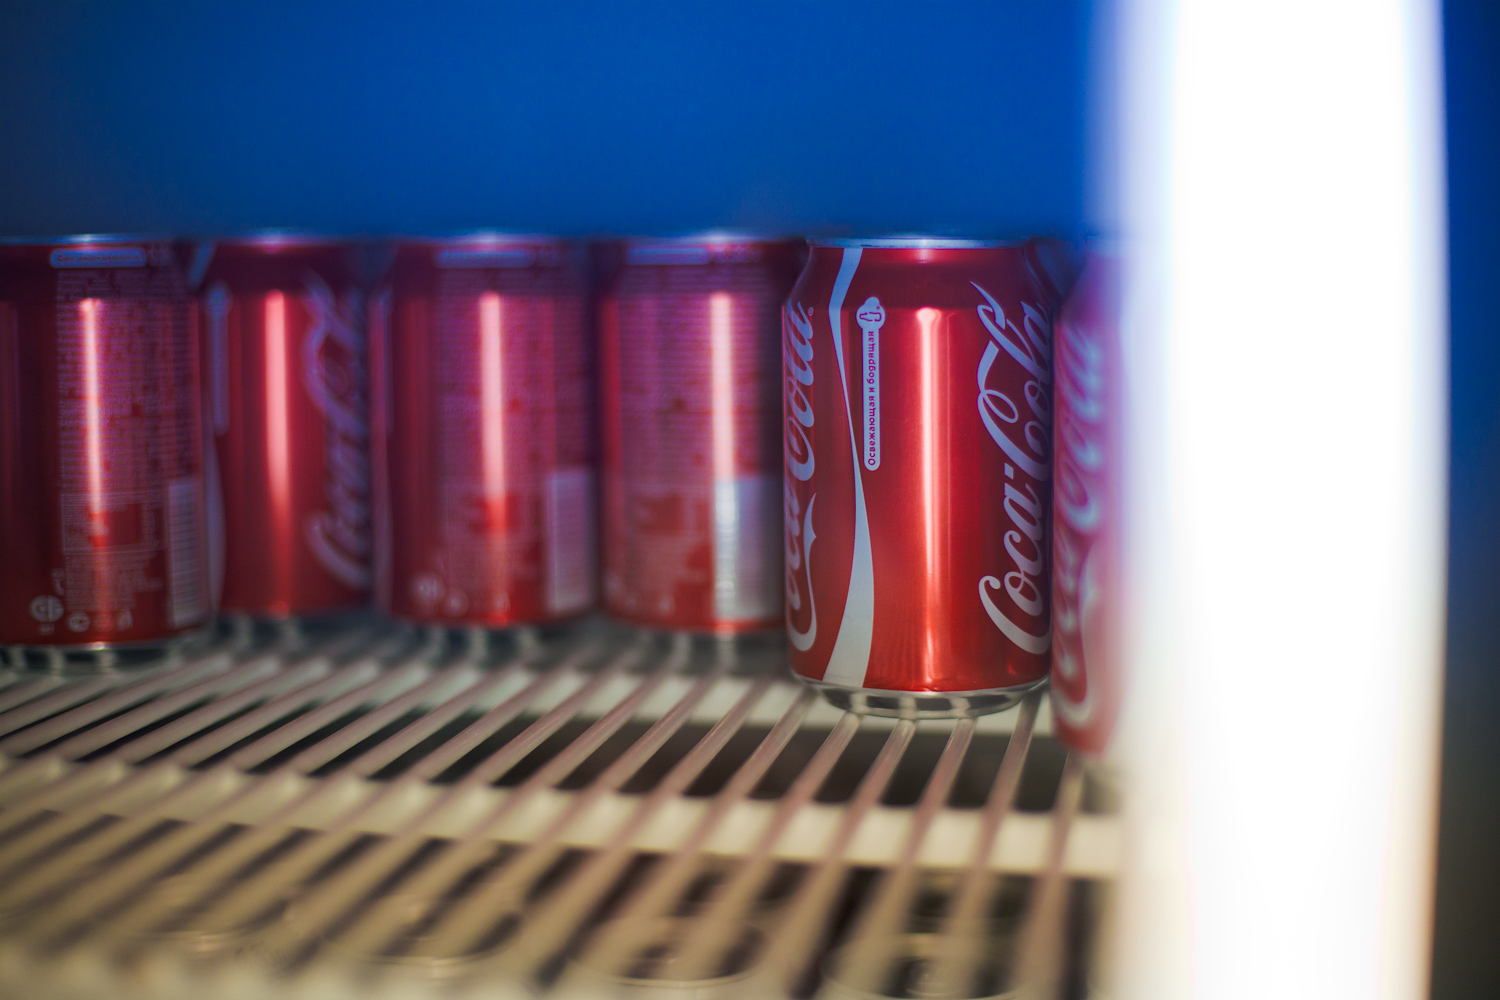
284 325
104 534
918 391
1086 588
483 432
691 418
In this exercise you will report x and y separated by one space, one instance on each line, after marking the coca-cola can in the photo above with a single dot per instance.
691 418
1086 586
483 432
104 534
917 388
283 318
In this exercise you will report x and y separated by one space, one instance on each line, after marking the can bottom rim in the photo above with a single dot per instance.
723 628
922 704
106 657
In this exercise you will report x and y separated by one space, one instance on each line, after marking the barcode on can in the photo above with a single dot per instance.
570 540
747 547
185 551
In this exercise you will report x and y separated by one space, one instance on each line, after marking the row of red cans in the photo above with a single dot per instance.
501 387
450 459
278 426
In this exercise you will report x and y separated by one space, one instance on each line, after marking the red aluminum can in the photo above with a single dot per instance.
483 432
692 416
104 536
1086 587
284 324
917 388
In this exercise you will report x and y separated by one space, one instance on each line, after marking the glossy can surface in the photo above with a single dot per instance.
483 433
1086 590
284 332
104 533
917 388
691 417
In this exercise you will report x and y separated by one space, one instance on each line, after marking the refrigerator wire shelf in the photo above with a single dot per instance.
359 809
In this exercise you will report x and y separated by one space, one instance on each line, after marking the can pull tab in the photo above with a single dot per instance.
871 317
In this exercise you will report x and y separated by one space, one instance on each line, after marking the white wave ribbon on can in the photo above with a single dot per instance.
850 658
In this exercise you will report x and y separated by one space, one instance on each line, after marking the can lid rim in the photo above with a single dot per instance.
282 237
915 242
483 237
84 239
714 237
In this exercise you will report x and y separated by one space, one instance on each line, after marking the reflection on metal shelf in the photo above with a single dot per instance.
596 812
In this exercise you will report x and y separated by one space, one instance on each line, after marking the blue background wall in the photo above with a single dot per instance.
561 115
582 117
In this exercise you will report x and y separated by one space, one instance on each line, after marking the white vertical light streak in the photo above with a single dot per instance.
721 364
491 402
93 431
727 527
1285 339
278 418
926 323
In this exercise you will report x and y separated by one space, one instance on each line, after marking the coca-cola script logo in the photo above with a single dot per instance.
797 350
1030 452
1081 491
333 371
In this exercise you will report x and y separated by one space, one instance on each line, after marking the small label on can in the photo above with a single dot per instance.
747 519
186 547
871 317
570 540
105 257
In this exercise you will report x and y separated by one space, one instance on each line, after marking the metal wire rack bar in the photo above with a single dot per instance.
361 806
